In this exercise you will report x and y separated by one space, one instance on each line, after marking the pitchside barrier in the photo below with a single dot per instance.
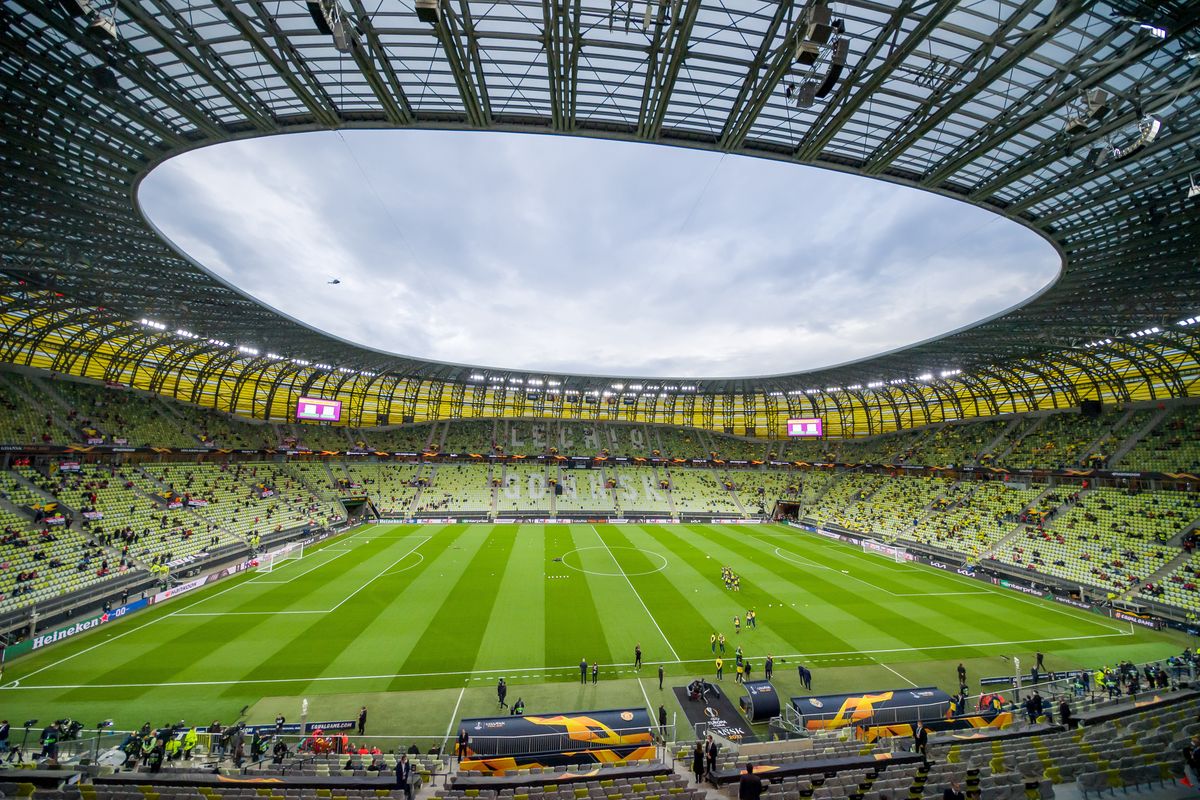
542 740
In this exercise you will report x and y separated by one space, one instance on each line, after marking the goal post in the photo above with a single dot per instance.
890 550
273 559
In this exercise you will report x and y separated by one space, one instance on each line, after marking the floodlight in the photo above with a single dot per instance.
1097 102
1193 187
102 27
428 11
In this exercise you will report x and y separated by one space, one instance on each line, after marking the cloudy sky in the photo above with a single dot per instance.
566 254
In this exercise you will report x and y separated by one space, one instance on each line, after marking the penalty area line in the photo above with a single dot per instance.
544 669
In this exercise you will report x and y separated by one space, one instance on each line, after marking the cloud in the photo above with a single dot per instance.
564 254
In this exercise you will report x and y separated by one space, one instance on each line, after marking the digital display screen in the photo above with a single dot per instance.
809 427
315 408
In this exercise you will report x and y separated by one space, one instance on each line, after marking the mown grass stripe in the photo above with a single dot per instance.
455 631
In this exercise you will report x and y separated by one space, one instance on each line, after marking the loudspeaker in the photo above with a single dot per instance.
1091 408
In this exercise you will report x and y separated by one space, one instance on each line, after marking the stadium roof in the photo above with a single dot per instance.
969 99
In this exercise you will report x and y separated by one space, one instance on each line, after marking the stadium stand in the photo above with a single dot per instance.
894 507
1109 538
584 490
522 488
462 488
958 444
639 489
391 487
757 490
233 498
469 436
701 492
406 439
1058 441
973 518
1172 446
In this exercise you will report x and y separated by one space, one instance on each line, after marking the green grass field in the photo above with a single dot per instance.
419 621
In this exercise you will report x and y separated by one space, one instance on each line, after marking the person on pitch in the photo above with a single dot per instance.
637 656
583 670
712 642
737 624
595 673
721 642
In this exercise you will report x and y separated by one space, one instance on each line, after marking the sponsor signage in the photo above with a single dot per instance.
1018 587
68 466
93 515
293 728
196 502
45 638
183 588
1145 620
761 701
714 713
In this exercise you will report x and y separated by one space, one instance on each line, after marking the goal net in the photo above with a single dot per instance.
892 551
273 559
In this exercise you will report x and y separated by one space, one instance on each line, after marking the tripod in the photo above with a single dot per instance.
17 754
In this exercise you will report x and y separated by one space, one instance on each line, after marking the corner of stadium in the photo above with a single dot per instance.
243 556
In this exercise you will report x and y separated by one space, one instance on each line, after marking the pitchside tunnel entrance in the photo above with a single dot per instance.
613 736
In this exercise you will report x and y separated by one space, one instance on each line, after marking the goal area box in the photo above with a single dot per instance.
271 560
548 740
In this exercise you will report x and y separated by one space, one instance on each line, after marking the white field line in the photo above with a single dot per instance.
15 685
453 718
340 553
635 592
788 555
248 613
897 674
123 634
418 562
646 697
988 589
379 574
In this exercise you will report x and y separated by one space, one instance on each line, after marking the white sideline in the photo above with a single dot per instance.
897 674
453 718
507 670
635 592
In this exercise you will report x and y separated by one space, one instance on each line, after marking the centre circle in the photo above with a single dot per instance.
618 571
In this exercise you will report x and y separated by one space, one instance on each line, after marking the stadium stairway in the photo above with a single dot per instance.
1019 433
19 386
1018 528
1136 436
997 442
1160 574
1093 447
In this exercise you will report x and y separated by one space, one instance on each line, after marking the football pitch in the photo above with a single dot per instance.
418 622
